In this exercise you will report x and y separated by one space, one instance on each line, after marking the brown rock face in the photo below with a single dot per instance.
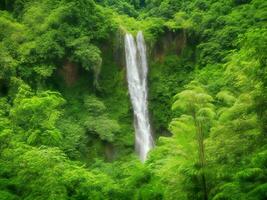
69 72
170 42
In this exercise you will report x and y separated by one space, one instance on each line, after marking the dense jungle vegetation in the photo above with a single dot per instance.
66 122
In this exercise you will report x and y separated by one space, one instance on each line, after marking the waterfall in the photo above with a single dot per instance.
136 64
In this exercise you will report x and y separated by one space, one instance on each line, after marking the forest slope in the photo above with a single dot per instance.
66 129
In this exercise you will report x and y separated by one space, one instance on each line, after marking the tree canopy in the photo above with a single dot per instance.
66 121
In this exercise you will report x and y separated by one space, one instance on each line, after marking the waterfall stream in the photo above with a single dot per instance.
137 68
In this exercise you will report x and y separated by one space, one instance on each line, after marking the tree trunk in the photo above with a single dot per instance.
200 138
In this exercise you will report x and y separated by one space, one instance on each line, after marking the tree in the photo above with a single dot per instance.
35 115
98 122
196 103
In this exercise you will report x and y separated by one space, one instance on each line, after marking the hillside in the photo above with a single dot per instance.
68 122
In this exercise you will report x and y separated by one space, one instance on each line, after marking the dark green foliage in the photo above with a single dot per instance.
66 123
227 64
166 79
128 7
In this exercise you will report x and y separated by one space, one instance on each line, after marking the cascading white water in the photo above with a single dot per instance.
136 63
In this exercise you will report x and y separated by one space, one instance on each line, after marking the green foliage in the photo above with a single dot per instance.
166 79
37 115
55 31
193 101
207 93
172 161
49 175
98 122
122 6
234 135
180 21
